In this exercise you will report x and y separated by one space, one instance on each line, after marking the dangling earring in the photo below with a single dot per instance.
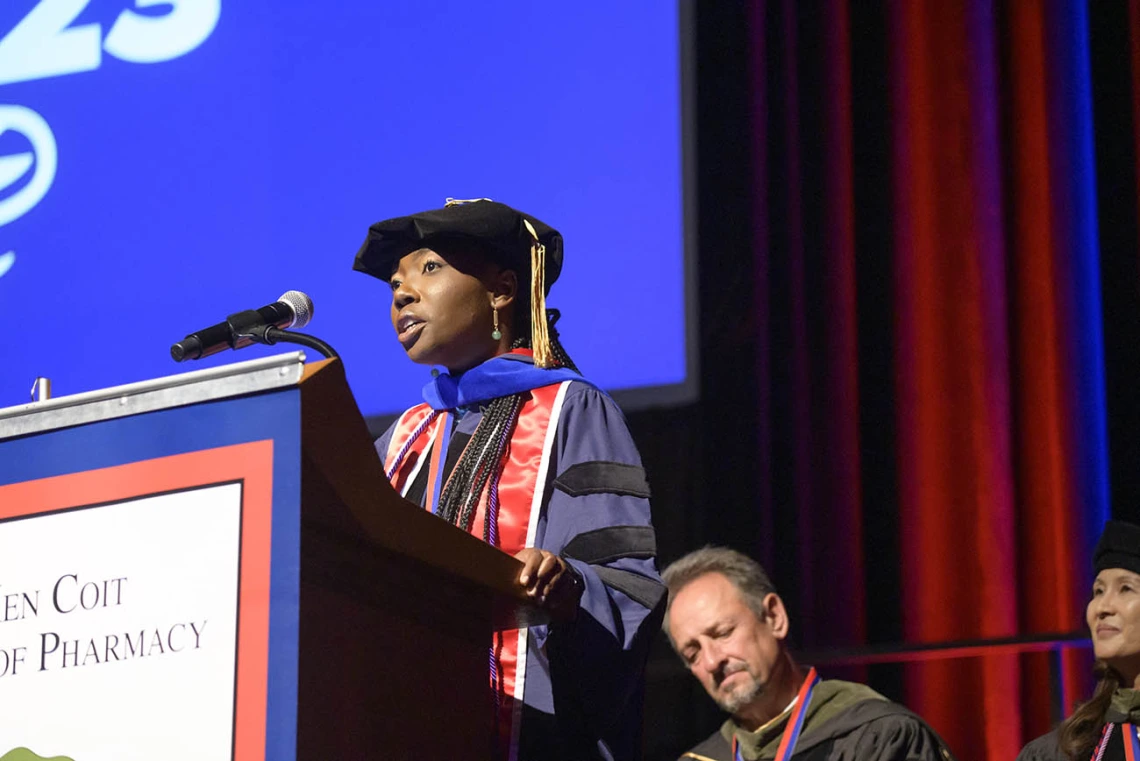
495 334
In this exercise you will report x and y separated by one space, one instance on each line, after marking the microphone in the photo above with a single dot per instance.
293 309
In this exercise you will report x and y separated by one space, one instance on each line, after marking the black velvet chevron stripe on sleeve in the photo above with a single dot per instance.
607 544
648 592
600 477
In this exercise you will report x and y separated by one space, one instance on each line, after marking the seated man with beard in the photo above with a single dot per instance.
729 626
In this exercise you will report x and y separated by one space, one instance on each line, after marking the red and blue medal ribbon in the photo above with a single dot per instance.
439 461
795 722
1131 742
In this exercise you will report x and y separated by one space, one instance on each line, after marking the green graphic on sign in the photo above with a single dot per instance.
23 754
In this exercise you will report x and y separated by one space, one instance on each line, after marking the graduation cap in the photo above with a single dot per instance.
1119 547
507 236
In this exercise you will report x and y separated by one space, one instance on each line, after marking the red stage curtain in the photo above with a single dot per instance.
931 336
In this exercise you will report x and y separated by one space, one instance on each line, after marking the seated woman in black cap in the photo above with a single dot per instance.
512 445
1100 729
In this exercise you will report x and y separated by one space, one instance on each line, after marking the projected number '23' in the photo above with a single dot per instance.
44 44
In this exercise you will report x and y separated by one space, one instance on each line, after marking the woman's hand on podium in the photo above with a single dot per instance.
550 581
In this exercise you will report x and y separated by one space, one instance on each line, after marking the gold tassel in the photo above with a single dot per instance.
539 335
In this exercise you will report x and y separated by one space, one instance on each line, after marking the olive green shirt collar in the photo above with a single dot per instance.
1125 707
829 698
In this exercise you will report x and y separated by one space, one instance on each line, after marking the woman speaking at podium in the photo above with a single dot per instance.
512 445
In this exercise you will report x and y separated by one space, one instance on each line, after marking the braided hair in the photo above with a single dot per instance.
482 460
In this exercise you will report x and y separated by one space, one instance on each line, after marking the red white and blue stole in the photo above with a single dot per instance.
1129 737
1131 742
795 723
421 430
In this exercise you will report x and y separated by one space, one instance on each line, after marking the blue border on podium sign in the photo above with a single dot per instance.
274 415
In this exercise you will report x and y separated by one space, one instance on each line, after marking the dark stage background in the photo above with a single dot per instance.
919 338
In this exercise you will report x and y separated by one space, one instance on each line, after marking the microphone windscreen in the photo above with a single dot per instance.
301 305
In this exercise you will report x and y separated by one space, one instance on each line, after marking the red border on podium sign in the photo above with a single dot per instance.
250 463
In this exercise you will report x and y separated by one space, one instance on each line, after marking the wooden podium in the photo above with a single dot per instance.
362 622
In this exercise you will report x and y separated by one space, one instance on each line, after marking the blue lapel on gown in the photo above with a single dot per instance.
503 375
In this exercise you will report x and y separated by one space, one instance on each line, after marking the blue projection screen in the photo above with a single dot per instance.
165 164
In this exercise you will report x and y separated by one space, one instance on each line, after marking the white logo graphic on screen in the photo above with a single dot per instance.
44 44
15 166
118 629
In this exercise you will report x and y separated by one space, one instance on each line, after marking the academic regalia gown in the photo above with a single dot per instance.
1044 748
1123 709
844 722
578 689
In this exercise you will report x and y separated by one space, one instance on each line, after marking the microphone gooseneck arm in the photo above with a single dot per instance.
270 335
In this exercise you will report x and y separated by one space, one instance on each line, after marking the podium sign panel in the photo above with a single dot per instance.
137 580
213 565
141 592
